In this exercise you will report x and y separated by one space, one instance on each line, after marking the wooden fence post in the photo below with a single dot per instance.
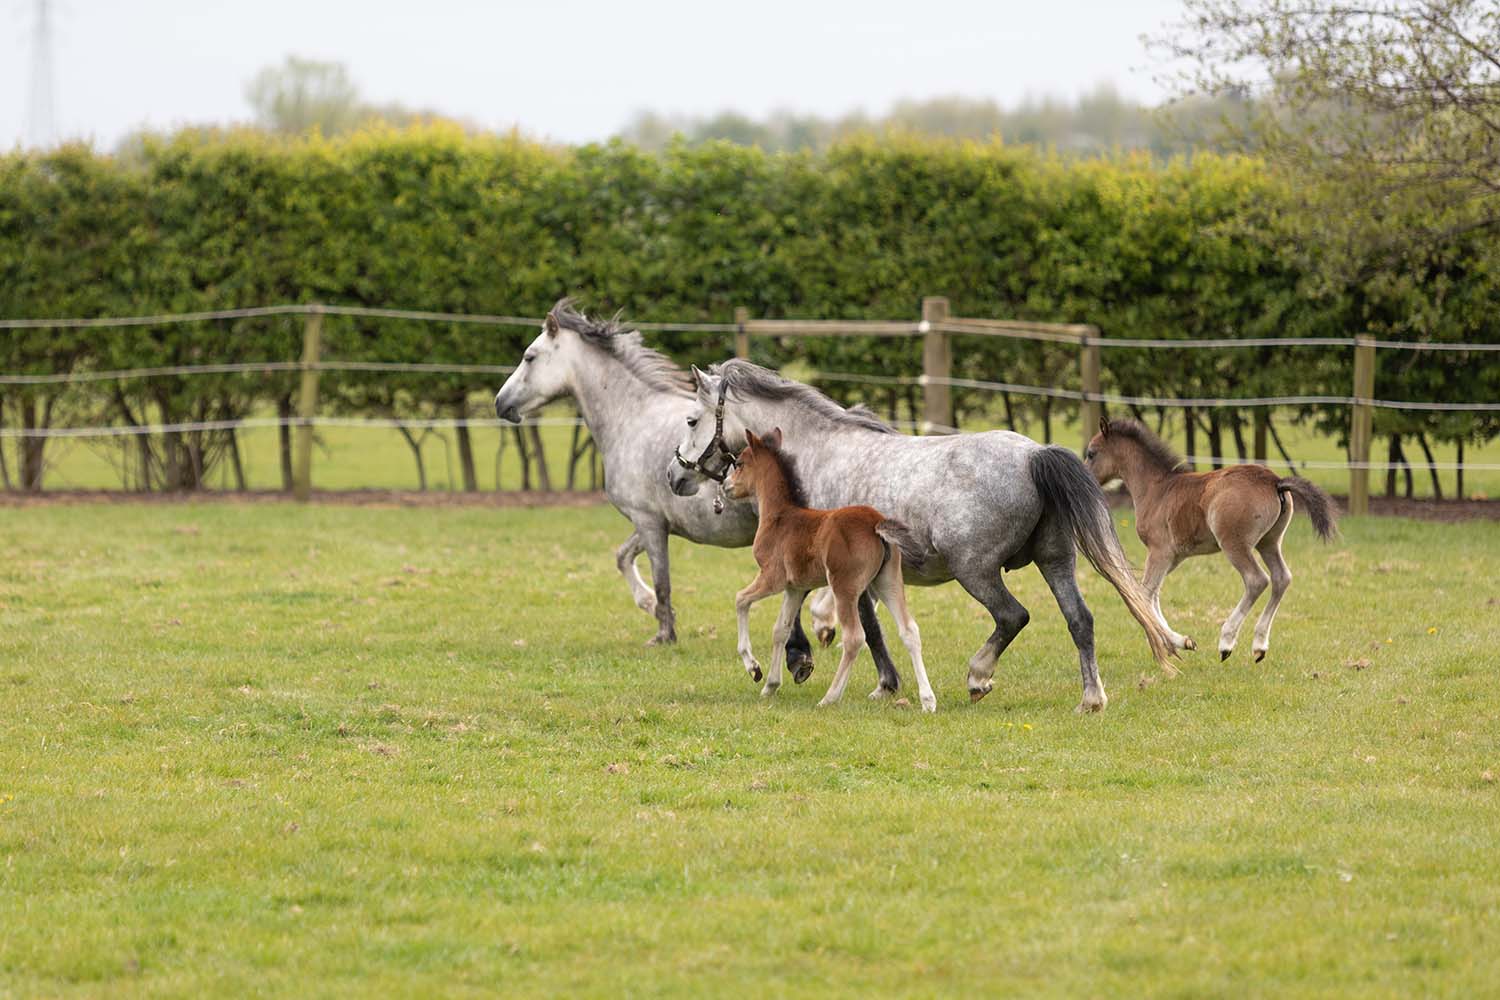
741 335
1090 410
1361 425
937 363
307 403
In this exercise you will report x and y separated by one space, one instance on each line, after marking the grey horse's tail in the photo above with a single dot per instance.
1318 504
1068 490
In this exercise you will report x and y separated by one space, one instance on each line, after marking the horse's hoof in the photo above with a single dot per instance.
660 639
825 635
1090 705
976 694
881 693
756 675
802 671
1189 644
769 690
1260 654
929 704
1224 654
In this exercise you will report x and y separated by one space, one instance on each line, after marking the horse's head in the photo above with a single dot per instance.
710 440
1101 456
545 371
746 474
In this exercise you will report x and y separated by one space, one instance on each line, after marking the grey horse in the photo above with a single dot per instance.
636 402
979 503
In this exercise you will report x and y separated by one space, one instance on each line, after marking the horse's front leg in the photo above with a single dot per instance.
654 536
625 557
757 589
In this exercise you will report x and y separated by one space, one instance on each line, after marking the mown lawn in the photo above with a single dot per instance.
312 751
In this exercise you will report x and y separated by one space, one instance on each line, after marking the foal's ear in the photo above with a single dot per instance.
1104 426
550 324
751 441
773 439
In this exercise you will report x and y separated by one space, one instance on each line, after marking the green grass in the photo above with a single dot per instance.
350 458
322 750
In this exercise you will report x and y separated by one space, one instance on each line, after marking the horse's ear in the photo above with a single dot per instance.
773 439
550 324
699 381
1104 426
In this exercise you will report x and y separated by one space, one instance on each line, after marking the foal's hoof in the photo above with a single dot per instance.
1189 644
825 635
802 671
1260 654
1224 654
755 674
975 694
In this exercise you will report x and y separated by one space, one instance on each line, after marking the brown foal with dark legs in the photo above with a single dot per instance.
850 550
1240 510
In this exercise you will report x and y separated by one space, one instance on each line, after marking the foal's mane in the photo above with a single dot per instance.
788 467
624 344
751 380
1157 451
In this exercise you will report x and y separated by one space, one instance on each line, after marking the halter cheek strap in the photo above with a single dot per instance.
715 447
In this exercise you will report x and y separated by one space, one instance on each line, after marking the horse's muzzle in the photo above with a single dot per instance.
507 413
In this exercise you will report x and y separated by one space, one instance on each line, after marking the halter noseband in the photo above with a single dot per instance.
715 446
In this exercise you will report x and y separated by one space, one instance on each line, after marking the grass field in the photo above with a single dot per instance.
350 458
319 751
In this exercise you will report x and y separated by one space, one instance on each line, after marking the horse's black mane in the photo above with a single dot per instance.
624 343
1158 452
749 379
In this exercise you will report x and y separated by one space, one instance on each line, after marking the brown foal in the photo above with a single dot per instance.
1240 509
850 550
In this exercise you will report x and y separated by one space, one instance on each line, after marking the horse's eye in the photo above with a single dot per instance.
692 421
529 357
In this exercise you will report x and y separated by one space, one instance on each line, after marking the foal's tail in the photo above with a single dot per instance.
1069 490
899 535
1319 505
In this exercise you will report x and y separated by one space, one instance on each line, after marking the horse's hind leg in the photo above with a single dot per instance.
824 615
1058 567
1281 578
984 584
1241 558
854 640
799 658
625 561
888 587
791 606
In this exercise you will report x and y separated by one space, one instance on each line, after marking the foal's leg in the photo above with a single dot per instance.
791 605
1160 562
1281 578
888 587
854 640
1058 565
984 584
757 589
1241 558
825 611
625 562
654 535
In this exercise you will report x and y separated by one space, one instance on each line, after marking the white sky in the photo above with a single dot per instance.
568 69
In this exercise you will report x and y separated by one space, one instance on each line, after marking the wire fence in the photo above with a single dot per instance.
935 379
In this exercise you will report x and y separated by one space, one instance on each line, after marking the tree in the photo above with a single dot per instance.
304 94
1386 112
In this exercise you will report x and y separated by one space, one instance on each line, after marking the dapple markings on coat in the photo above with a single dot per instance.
851 549
635 401
1239 510
978 504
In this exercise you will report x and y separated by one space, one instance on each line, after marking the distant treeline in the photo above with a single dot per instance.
438 220
1099 122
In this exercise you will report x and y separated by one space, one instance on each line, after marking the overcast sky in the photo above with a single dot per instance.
567 69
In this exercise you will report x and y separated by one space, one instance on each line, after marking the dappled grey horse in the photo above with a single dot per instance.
636 403
979 503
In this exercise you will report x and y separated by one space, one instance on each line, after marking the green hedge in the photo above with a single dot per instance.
436 220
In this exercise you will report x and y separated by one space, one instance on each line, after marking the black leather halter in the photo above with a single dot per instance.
715 448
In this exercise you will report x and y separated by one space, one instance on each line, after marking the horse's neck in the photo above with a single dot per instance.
610 398
817 443
1141 475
